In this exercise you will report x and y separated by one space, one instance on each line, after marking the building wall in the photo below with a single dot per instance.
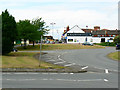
77 39
82 39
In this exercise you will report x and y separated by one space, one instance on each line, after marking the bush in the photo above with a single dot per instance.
107 44
6 45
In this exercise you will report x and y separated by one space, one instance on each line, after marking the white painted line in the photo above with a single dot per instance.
6 73
45 79
91 80
105 80
59 62
26 73
58 56
70 64
26 79
85 80
50 60
63 73
11 79
71 73
44 73
84 67
53 73
20 73
106 71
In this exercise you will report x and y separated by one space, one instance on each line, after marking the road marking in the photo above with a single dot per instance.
46 79
44 73
6 73
20 73
28 79
105 80
70 64
71 73
59 62
58 56
91 80
50 60
11 79
53 73
106 71
84 67
64 73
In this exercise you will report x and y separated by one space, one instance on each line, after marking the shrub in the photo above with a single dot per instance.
107 44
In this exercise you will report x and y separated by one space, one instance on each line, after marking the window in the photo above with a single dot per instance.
102 39
70 40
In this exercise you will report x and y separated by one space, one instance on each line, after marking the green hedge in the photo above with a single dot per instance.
106 44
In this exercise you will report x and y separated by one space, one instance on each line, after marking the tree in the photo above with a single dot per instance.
40 26
26 31
117 39
9 32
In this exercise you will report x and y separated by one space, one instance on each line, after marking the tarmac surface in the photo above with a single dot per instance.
102 71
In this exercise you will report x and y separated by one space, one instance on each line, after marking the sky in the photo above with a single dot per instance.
103 13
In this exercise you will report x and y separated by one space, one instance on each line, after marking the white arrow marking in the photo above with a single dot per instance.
105 80
84 67
106 71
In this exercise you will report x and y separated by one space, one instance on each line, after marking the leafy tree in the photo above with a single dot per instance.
9 32
40 26
117 39
26 31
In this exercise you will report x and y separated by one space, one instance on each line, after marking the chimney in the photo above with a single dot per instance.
96 28
64 31
67 28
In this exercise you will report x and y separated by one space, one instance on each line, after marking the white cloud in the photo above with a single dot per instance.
63 15
59 0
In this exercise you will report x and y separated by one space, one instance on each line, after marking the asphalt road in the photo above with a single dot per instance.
102 71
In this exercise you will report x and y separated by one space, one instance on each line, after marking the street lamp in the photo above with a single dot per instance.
58 34
52 26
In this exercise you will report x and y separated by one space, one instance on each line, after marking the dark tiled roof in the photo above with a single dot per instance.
103 32
87 30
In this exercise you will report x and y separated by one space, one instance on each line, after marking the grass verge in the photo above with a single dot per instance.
25 60
114 55
59 47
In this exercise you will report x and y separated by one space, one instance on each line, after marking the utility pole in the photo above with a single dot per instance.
40 57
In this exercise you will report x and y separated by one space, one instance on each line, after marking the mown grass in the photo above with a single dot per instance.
59 47
114 55
25 60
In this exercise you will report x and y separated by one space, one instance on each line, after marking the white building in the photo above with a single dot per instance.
78 35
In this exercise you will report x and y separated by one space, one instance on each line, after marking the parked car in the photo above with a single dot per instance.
88 43
53 42
118 46
14 50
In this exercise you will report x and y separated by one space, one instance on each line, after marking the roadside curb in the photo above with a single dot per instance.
42 70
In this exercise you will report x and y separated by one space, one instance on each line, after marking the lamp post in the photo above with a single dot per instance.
52 26
58 34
